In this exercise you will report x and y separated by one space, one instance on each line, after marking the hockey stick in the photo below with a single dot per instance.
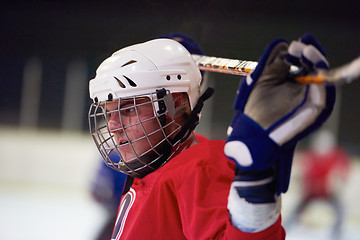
340 75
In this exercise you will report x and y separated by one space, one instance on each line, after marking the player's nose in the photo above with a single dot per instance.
114 125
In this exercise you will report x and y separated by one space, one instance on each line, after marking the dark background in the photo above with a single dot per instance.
59 32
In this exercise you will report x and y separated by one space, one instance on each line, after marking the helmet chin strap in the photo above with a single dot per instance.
161 94
191 122
193 119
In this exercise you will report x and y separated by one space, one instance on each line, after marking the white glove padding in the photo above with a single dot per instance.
274 111
248 216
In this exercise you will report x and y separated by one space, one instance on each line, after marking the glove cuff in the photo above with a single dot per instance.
249 216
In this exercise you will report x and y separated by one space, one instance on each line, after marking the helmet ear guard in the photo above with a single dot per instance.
166 102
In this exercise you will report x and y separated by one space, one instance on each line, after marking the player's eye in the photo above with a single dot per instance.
127 110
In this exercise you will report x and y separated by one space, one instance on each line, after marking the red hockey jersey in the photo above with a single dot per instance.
322 171
185 199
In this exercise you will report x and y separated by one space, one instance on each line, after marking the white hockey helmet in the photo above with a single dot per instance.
143 68
151 70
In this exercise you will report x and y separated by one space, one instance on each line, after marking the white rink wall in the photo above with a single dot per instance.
47 157
44 190
45 179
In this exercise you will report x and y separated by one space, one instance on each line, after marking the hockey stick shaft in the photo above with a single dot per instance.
343 74
224 65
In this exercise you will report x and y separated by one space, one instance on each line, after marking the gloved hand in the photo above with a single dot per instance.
274 111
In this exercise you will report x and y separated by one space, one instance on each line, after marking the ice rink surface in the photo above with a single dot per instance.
44 191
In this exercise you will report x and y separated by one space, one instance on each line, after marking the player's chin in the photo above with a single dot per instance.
139 150
142 164
127 153
144 156
130 153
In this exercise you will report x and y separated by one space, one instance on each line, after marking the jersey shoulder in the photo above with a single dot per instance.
205 154
200 137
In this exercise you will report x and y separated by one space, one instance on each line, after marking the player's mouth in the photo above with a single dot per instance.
123 143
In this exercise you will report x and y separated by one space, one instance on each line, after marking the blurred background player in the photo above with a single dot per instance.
324 171
108 184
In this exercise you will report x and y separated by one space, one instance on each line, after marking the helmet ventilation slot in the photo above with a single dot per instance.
120 82
128 63
130 81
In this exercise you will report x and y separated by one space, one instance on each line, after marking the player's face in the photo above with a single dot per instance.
135 128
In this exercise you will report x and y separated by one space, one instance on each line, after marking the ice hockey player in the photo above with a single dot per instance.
146 105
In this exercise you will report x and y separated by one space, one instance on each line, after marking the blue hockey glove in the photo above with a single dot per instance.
274 111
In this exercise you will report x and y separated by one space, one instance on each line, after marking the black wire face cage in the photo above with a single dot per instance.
134 135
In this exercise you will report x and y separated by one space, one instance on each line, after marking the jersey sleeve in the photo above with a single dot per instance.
202 199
